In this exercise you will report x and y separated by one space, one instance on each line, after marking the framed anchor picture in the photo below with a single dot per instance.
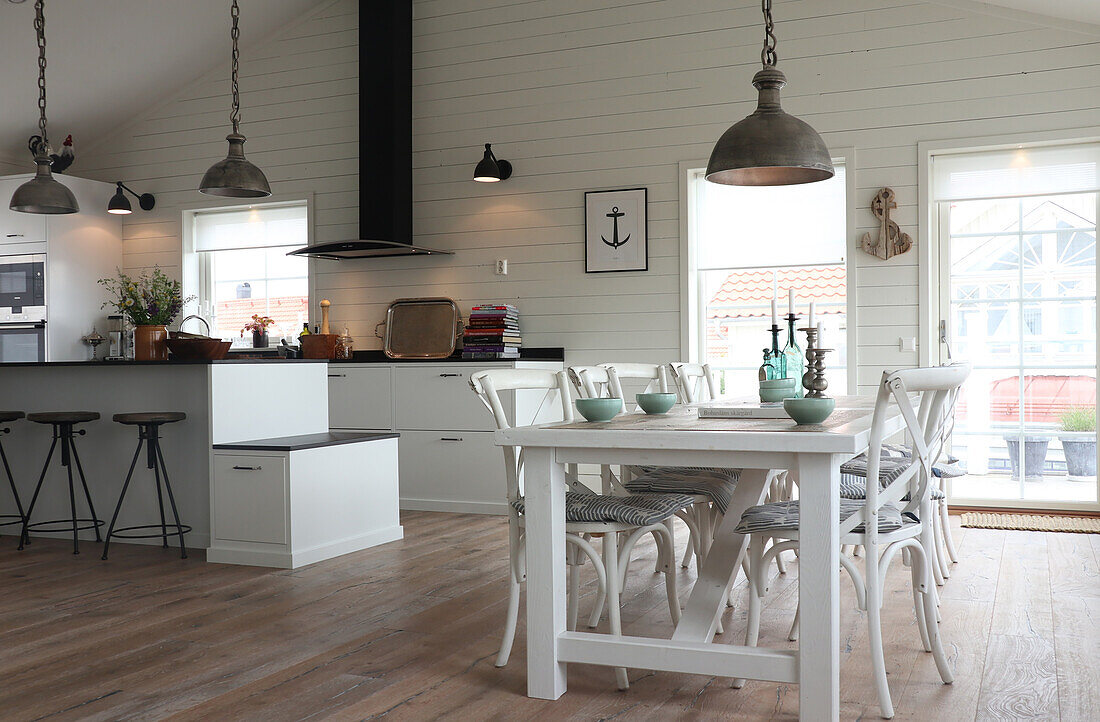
615 231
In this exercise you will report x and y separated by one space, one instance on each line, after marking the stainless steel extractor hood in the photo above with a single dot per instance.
385 139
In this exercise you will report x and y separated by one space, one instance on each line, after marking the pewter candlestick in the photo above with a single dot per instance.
811 341
819 383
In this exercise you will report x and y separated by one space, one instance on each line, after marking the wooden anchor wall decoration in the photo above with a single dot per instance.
891 241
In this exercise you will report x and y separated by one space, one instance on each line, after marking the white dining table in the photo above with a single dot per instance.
758 447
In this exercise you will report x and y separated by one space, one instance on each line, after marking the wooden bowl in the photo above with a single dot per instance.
195 349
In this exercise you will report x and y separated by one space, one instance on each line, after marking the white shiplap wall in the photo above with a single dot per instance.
583 95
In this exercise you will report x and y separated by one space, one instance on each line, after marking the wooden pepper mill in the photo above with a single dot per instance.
325 303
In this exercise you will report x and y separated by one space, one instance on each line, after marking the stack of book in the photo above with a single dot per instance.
492 333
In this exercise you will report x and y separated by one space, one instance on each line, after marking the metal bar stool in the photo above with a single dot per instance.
9 519
63 423
149 434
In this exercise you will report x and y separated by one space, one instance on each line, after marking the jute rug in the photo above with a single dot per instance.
1031 522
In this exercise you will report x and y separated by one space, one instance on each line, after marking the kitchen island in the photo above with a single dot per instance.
228 401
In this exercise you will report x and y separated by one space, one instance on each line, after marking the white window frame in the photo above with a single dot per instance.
689 263
934 268
196 269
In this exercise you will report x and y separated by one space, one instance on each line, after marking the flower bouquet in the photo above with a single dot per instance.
150 302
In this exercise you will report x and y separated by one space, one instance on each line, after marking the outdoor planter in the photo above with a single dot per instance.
1080 458
1035 454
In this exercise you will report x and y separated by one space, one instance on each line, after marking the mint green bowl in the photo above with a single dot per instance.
599 409
809 410
777 394
656 403
777 383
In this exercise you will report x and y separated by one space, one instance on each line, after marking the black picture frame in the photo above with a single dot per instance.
629 203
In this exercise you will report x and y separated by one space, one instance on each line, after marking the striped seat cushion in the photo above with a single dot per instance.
950 467
855 487
715 484
635 509
783 516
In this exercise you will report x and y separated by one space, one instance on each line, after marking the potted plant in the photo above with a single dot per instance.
150 302
1035 455
258 326
1080 452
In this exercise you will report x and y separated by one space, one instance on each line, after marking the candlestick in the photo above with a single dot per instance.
811 343
819 382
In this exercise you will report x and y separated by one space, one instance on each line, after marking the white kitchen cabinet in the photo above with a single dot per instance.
297 500
448 459
360 398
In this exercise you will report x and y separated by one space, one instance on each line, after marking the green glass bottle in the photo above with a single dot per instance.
794 359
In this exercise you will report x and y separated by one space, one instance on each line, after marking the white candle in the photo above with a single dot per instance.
790 301
820 333
775 314
810 324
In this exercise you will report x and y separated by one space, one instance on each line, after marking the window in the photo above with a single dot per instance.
743 241
1019 225
242 267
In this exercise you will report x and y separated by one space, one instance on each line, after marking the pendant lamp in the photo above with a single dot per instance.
235 177
42 194
769 147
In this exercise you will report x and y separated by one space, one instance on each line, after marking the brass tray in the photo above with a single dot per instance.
424 328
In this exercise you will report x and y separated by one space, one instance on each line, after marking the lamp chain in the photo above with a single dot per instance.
235 34
40 30
767 55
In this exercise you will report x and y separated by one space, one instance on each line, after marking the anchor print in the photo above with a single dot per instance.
891 241
615 215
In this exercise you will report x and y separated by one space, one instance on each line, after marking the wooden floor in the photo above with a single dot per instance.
409 631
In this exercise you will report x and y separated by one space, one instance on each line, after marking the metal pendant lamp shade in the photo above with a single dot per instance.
769 147
42 194
235 177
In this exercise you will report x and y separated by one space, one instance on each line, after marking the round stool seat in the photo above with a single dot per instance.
6 416
63 417
150 417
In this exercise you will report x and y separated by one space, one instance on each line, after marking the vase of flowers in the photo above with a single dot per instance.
150 302
258 326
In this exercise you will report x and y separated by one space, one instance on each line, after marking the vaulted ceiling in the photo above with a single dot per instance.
111 59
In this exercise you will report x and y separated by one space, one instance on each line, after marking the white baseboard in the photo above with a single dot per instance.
281 559
456 507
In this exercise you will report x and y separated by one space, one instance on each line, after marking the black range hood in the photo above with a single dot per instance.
385 139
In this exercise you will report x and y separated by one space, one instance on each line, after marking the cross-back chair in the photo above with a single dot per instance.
587 513
896 516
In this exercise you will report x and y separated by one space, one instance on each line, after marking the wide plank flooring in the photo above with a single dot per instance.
409 631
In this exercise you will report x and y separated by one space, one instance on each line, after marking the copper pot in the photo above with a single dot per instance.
150 343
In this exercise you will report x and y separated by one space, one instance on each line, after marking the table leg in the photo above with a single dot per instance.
544 516
708 596
819 588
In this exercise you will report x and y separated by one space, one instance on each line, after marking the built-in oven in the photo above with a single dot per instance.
25 341
23 284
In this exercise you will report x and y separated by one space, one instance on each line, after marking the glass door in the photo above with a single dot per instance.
1021 297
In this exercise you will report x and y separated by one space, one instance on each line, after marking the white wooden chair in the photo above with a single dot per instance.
896 516
587 513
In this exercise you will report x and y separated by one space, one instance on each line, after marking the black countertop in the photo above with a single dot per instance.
359 357
172 362
305 441
525 354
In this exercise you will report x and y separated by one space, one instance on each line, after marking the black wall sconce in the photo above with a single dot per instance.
491 170
120 204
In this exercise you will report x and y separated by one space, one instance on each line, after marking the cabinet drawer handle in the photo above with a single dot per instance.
450 438
248 468
336 376
15 235
443 376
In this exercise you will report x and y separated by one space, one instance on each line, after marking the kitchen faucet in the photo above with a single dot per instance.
196 316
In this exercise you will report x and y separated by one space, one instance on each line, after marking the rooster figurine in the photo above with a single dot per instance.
62 160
